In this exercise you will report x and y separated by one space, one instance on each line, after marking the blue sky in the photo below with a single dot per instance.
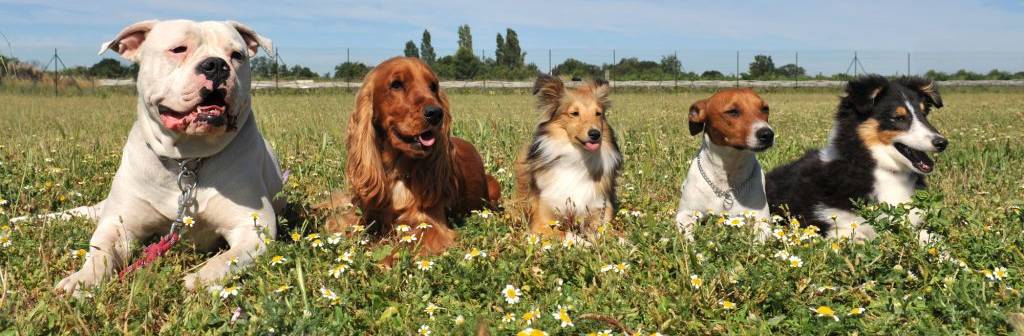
941 34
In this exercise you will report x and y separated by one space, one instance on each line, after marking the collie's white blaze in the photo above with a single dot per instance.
566 184
919 136
846 224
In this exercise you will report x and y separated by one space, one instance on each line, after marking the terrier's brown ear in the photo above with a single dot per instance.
697 116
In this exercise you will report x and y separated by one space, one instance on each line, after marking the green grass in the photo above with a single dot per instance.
57 153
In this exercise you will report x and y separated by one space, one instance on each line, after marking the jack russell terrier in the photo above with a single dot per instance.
725 177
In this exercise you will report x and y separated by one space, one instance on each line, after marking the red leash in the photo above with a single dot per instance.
150 253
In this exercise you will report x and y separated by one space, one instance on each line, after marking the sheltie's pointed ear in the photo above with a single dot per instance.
698 114
549 91
601 92
861 92
926 88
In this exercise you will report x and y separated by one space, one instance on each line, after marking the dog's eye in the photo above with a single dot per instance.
434 87
575 113
764 110
236 55
898 118
599 113
733 113
396 85
179 49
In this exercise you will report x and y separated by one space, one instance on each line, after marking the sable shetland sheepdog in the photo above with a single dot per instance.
877 152
566 175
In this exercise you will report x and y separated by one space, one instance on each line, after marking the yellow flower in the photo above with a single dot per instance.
511 294
431 309
408 238
459 320
79 253
779 233
337 271
424 264
346 257
328 294
424 226
607 332
531 315
508 318
424 330
695 281
277 260
282 288
825 311
795 262
317 243
856 311
835 246
358 228
255 216
533 239
532 332
727 305
188 221
227 292
231 261
735 221
475 252
402 228
296 236
562 316
1000 273
313 236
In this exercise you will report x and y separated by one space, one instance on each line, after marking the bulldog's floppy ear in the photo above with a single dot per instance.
252 39
924 87
128 41
861 92
698 114
549 91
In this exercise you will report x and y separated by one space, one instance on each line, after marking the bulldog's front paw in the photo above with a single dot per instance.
77 282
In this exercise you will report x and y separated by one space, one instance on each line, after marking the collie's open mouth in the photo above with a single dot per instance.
211 111
918 159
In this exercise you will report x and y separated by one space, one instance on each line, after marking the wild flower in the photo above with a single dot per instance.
296 236
230 291
825 311
508 318
695 281
337 271
726 304
459 320
346 257
80 253
424 264
561 315
277 260
231 261
511 294
328 294
531 315
795 262
531 332
423 226
188 221
424 330
283 288
474 253
402 228
856 311
431 309
408 238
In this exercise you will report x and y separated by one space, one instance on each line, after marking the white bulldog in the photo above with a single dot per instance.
194 103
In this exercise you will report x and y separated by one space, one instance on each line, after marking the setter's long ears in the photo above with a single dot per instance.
364 169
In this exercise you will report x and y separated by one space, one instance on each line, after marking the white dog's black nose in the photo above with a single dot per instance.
765 135
215 69
940 143
433 114
594 135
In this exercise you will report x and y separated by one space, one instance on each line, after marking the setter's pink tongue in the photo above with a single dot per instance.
426 139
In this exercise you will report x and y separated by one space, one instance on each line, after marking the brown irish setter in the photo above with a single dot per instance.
404 166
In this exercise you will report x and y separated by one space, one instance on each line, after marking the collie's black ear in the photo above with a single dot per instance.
926 88
861 92
697 116
549 91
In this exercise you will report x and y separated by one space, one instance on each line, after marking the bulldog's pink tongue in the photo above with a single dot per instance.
426 139
592 146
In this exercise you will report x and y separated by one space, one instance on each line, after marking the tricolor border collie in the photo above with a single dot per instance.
566 176
877 152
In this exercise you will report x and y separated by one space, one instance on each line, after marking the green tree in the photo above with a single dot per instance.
427 50
109 68
576 69
466 64
671 65
350 70
790 71
762 68
513 53
499 51
410 49
465 38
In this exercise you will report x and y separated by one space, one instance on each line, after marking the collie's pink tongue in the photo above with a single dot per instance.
426 140
592 146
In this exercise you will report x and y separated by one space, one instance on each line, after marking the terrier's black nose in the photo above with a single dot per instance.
594 135
215 69
433 113
940 143
765 135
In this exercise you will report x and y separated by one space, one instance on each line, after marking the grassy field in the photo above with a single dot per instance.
57 153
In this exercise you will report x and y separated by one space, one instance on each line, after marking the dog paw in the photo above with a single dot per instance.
76 283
